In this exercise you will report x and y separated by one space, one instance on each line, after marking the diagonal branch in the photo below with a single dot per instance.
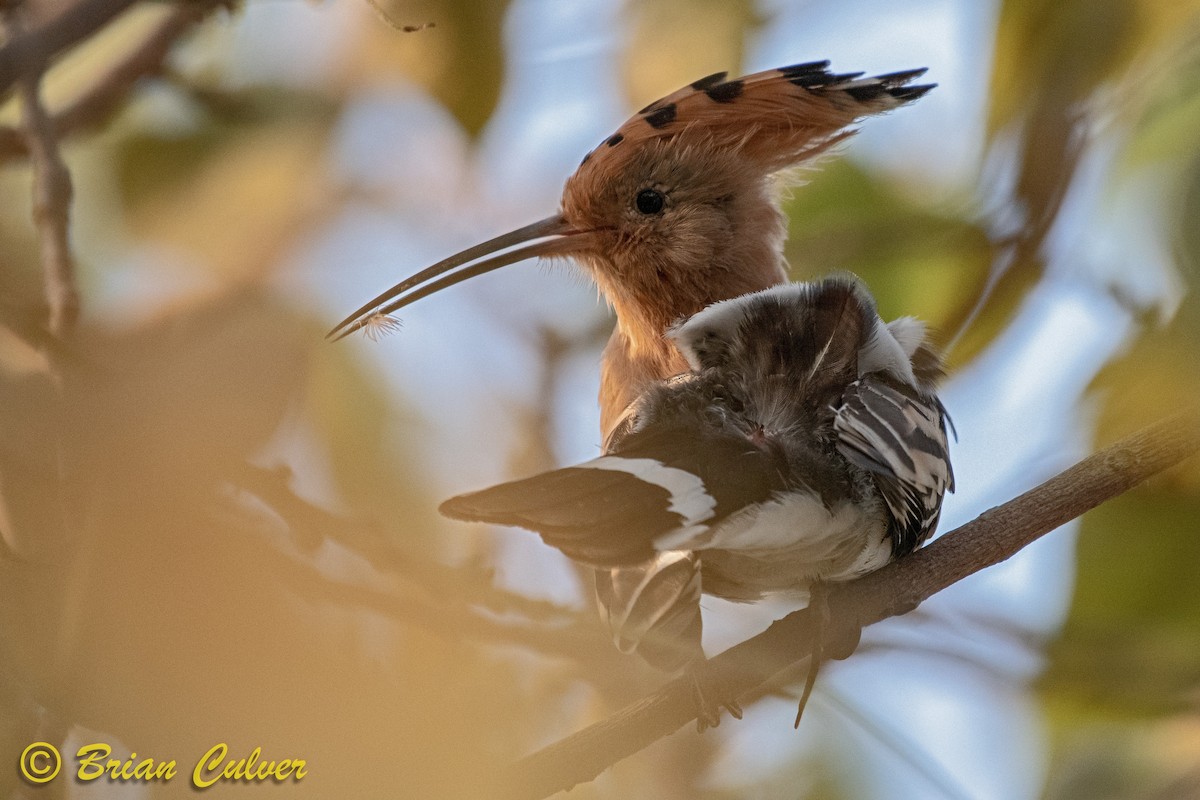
994 536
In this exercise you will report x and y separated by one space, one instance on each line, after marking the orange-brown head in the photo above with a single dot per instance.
682 193
677 209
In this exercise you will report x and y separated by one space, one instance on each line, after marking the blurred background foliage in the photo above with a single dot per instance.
218 527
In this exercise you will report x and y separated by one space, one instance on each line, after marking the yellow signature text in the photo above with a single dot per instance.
216 766
94 762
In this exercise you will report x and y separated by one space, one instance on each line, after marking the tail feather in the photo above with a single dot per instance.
654 608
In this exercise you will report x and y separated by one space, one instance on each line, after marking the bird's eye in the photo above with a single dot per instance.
650 201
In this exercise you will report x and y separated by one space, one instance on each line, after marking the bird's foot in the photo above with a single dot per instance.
836 642
711 695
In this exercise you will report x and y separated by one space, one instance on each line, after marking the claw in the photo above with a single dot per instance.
814 665
818 605
841 646
708 711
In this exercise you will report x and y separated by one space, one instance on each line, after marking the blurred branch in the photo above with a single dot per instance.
24 58
455 621
311 524
994 536
460 603
1050 162
98 102
32 51
51 191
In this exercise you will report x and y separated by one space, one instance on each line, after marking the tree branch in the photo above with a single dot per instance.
99 101
992 537
455 602
52 191
34 50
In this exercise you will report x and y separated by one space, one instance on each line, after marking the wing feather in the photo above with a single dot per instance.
899 437
610 511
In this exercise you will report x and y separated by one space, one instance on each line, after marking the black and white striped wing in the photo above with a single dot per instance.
888 429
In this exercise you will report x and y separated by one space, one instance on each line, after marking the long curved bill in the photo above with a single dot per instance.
560 240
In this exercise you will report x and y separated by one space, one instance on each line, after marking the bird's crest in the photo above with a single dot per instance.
775 119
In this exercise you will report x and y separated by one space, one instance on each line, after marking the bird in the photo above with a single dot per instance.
677 210
804 445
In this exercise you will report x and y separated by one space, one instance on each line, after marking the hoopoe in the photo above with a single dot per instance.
805 444
675 211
